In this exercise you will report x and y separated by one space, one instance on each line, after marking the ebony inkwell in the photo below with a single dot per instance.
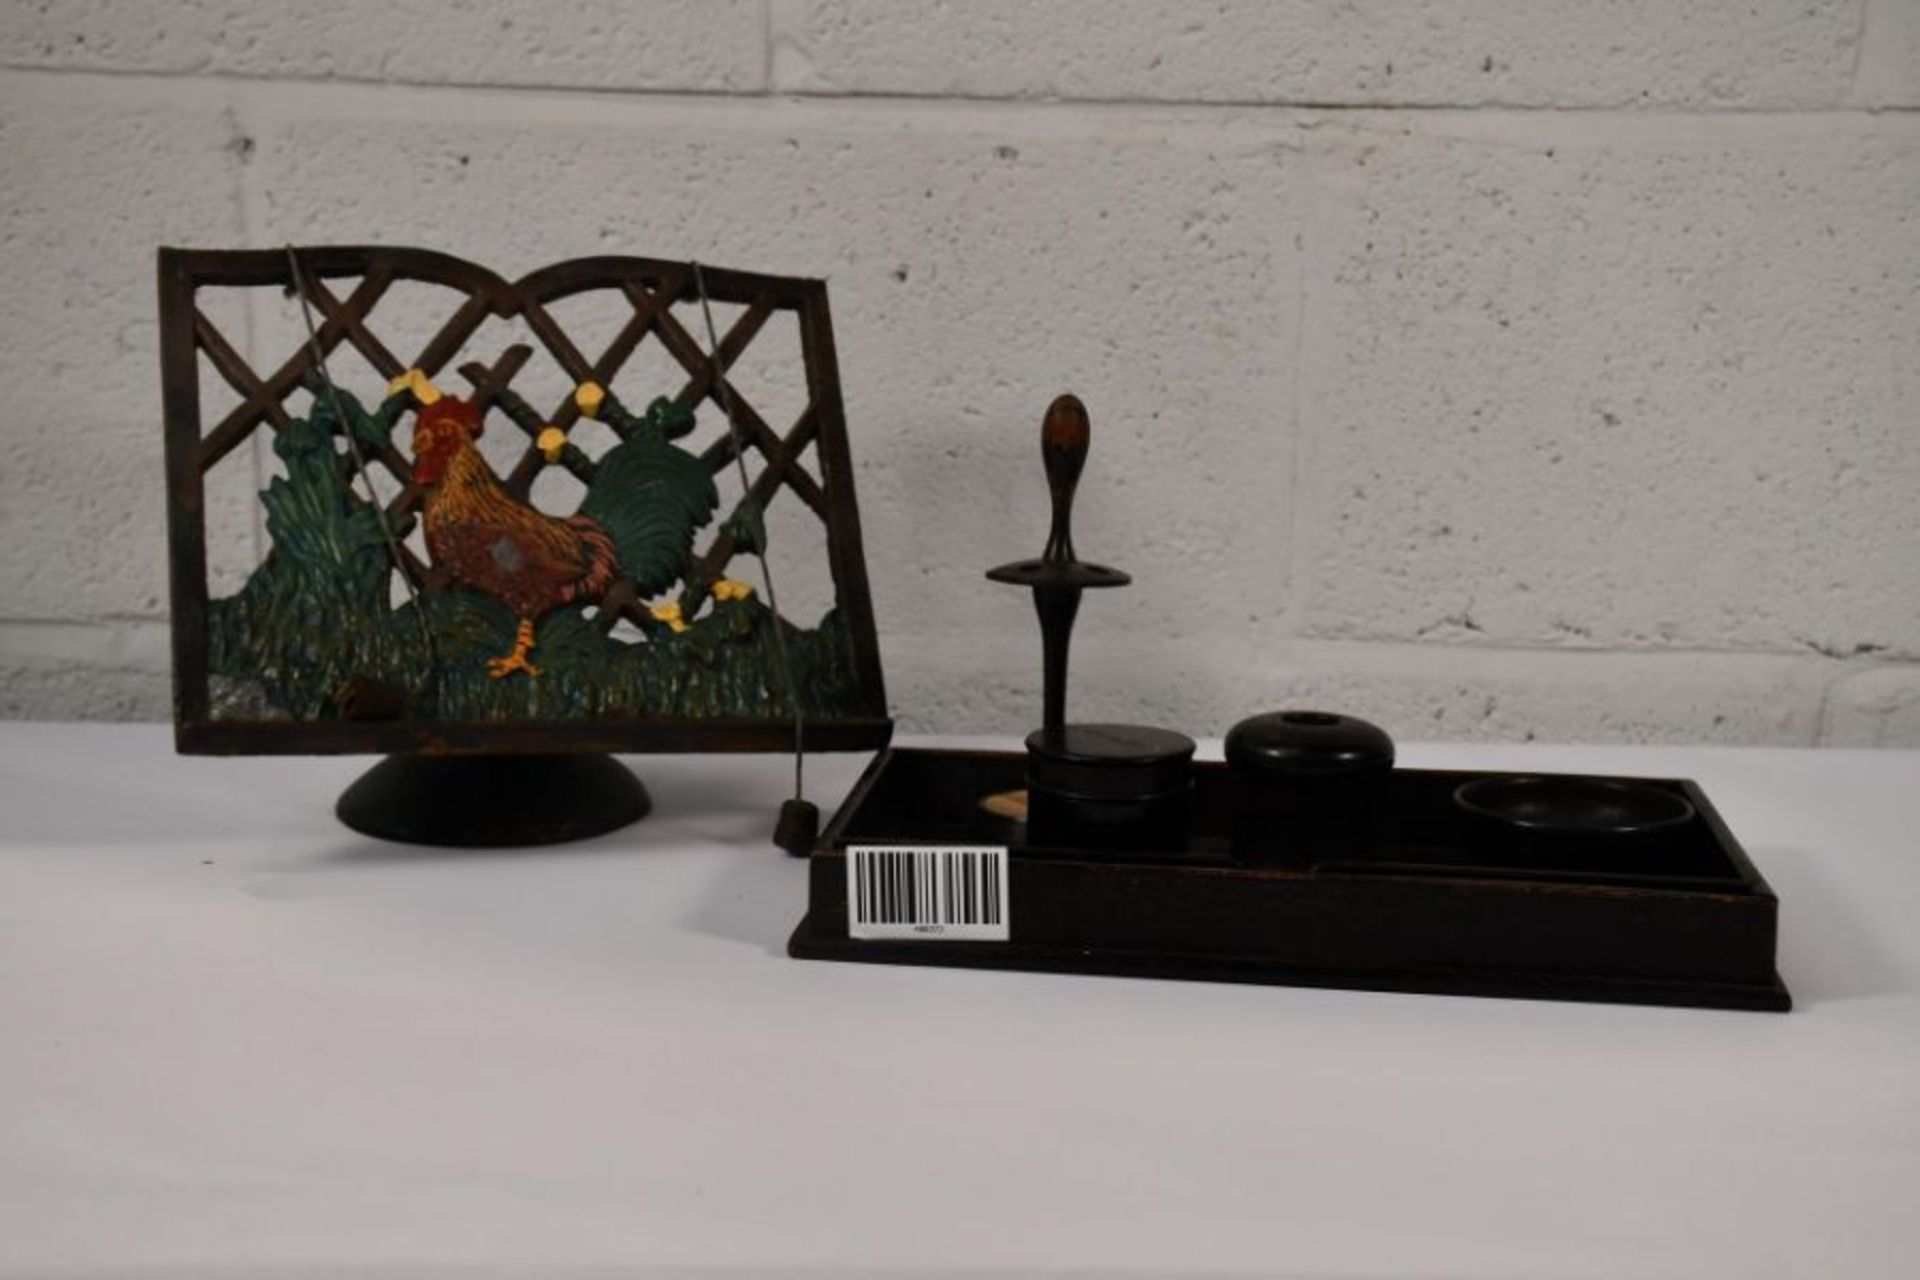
1107 785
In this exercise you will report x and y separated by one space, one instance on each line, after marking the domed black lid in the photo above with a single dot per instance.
1308 742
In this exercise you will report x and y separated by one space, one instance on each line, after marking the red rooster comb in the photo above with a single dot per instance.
440 431
451 411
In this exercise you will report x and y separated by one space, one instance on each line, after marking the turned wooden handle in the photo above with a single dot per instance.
1064 435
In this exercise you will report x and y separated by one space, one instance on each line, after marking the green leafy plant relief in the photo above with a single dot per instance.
651 495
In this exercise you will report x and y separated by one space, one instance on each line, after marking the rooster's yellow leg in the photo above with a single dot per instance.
517 660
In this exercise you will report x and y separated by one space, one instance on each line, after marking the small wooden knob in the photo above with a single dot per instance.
1064 436
1066 427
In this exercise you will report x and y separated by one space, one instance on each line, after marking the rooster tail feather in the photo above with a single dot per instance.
649 497
603 562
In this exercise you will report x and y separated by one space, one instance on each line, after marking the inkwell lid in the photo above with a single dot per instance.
1316 742
1109 761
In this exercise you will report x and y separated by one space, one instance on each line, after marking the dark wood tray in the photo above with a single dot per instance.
1440 908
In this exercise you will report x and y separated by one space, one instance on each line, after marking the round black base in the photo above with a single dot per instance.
492 801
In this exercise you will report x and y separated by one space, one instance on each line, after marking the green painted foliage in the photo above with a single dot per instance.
651 496
315 620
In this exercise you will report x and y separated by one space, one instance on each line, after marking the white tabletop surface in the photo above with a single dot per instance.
237 1039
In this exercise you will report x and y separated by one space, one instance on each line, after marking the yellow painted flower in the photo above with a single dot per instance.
423 389
728 589
669 613
551 442
589 395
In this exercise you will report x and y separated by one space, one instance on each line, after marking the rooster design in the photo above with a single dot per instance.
637 521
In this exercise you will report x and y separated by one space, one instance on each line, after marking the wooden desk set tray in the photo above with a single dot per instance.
1305 859
1437 907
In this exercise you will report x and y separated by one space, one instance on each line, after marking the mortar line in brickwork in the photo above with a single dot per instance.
239 150
767 24
1823 709
98 622
139 642
1859 662
896 100
1304 645
1625 107
1291 609
1859 58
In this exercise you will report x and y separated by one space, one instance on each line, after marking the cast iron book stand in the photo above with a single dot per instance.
497 700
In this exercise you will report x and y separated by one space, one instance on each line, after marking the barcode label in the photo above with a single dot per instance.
953 893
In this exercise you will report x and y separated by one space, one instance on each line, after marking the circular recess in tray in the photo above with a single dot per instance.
1546 806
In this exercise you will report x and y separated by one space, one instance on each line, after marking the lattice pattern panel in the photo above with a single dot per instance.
493 336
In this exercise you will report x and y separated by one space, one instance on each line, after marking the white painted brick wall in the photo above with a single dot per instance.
1490 368
1446 53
